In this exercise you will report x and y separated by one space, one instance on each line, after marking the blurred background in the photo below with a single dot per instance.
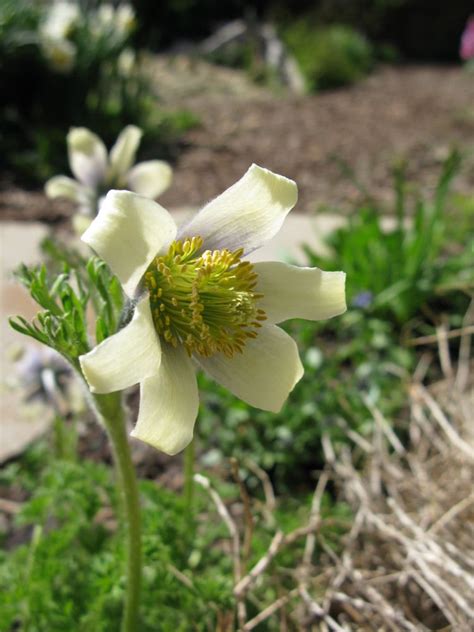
297 86
369 106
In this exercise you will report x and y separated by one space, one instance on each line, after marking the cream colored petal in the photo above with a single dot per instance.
61 16
128 233
64 187
292 292
87 156
122 155
264 374
80 223
248 214
124 18
150 178
126 358
59 52
169 403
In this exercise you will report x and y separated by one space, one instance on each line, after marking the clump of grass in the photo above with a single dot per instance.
398 272
329 56
408 561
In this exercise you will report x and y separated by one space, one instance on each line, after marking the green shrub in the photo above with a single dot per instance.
329 56
404 270
69 70
67 574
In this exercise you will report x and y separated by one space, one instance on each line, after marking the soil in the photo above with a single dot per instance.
413 113
398 113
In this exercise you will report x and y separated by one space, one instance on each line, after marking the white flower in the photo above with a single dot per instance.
108 19
60 53
198 303
125 18
126 62
105 14
96 171
59 21
53 33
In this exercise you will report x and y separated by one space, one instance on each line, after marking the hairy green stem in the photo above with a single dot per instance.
188 475
111 413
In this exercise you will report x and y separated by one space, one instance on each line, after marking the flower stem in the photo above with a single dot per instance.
189 455
110 410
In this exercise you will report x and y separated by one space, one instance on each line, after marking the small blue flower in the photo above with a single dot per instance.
363 300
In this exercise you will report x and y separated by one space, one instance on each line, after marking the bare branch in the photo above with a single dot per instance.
313 518
266 483
269 610
227 519
443 422
443 350
242 586
454 333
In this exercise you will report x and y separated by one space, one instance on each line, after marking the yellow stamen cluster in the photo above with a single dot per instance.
204 301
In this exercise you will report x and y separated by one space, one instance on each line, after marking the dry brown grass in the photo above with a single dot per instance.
407 563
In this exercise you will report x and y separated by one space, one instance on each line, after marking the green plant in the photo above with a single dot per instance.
345 367
63 327
59 73
67 575
459 221
407 273
328 56
65 572
395 273
198 300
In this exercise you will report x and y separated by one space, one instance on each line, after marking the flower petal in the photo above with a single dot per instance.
169 403
87 156
126 358
128 233
248 214
62 186
81 222
150 178
61 16
293 292
264 373
59 52
122 154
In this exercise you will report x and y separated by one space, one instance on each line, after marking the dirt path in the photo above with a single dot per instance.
413 113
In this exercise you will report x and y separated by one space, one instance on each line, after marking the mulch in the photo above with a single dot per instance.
412 113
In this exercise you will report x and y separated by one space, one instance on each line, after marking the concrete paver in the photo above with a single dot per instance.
19 424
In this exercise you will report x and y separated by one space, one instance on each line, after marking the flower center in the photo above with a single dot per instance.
206 301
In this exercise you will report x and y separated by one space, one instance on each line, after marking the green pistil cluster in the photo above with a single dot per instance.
206 301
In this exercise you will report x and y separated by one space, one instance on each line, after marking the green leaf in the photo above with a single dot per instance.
101 332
